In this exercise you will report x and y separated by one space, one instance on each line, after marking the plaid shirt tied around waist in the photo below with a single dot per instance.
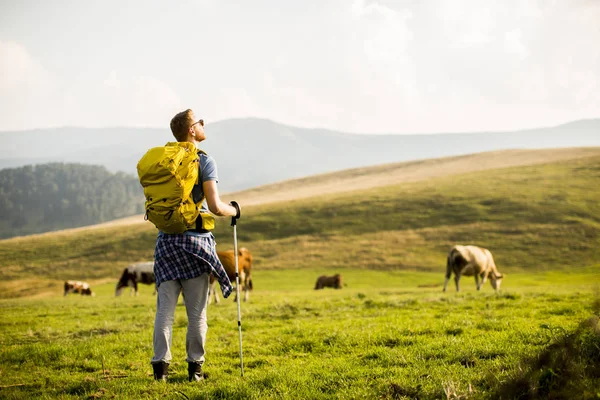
188 255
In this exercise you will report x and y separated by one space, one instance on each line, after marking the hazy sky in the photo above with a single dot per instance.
396 66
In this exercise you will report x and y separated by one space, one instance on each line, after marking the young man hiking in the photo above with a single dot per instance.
183 261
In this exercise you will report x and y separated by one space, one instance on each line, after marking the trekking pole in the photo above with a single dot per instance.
237 280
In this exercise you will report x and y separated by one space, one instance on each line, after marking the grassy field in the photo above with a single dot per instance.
542 217
390 333
387 334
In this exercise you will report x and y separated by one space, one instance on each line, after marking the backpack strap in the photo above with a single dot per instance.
200 152
199 228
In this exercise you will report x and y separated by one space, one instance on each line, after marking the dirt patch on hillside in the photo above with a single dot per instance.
40 288
390 174
128 221
30 288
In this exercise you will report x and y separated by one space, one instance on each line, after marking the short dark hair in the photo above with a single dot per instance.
180 124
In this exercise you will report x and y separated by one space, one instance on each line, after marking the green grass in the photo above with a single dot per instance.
387 334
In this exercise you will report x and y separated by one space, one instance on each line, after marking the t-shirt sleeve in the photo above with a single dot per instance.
208 166
208 171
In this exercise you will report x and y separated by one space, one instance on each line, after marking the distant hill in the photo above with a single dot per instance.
255 152
56 196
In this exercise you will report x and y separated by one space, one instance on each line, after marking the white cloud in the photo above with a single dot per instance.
26 89
20 71
111 80
30 97
120 99
363 66
382 69
383 31
513 43
466 23
236 98
360 8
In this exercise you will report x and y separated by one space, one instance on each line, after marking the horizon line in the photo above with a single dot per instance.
110 127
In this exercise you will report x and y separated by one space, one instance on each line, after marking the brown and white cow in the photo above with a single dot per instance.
78 287
472 261
244 267
324 281
142 272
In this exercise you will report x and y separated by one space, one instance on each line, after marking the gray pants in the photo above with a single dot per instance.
195 292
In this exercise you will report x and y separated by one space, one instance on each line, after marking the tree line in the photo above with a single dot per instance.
48 197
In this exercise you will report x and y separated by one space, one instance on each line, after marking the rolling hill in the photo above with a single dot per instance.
395 173
540 216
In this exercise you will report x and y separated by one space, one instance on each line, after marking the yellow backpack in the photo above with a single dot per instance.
168 175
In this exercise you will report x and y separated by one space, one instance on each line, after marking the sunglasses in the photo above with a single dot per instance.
200 121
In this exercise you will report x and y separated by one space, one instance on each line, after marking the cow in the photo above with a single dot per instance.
133 274
81 288
324 281
472 261
244 267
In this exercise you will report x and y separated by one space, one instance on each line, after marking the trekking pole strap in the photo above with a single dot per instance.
237 215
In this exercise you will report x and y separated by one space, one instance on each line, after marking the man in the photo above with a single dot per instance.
183 262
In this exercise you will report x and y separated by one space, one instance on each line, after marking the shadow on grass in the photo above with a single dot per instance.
567 369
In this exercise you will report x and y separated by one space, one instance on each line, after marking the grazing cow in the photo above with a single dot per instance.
142 272
334 281
472 261
245 270
81 288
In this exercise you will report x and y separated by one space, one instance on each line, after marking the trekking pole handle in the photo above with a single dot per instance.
237 215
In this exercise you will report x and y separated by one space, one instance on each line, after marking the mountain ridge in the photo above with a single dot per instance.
252 152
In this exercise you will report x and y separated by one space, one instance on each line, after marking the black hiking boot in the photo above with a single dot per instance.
161 371
195 372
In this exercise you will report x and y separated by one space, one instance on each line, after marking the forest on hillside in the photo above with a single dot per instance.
48 197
